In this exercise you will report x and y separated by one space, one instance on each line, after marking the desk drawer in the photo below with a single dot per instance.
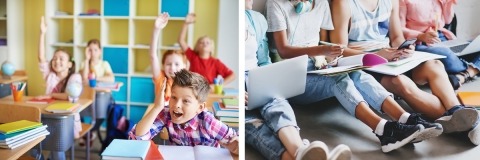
4 90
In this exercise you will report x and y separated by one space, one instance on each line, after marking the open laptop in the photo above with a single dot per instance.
283 79
462 47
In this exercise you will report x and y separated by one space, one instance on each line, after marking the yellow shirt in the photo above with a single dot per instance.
100 68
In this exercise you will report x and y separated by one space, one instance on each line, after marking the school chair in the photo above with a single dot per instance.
163 134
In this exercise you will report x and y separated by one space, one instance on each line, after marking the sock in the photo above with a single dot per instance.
380 126
453 110
403 119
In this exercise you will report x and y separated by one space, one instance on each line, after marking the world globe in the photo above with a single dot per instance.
8 68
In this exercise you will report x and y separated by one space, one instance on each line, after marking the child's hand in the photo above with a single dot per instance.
391 54
43 25
161 21
160 100
232 146
333 51
190 18
88 54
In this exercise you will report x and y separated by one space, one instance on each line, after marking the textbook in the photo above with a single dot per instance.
229 119
18 126
401 66
24 140
198 152
62 107
230 103
223 112
13 137
352 63
40 101
469 99
120 149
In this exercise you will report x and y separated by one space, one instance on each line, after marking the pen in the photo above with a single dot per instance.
335 60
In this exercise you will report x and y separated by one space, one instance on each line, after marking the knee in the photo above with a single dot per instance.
403 85
435 67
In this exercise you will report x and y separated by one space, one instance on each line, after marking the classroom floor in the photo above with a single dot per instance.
329 122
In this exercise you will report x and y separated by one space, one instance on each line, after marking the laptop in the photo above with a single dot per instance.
462 47
284 79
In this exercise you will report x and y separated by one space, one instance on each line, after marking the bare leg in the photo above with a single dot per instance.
290 138
433 73
367 116
392 108
419 100
287 156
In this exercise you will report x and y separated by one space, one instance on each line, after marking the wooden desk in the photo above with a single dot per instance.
13 154
84 103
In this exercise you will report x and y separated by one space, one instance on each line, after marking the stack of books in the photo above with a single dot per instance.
18 133
227 111
62 107
132 149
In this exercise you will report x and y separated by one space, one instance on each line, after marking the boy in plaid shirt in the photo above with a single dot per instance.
187 121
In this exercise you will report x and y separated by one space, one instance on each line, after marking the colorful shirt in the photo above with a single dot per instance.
202 129
420 16
208 68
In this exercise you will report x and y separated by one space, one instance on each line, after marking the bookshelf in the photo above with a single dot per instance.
124 28
12 32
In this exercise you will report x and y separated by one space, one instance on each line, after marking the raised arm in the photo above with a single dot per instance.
41 45
145 124
160 23
86 64
183 34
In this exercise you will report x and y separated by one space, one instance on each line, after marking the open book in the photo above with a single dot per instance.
401 66
352 63
198 152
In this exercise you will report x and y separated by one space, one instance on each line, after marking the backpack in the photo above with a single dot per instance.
117 124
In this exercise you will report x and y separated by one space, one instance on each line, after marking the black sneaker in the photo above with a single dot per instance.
396 135
431 129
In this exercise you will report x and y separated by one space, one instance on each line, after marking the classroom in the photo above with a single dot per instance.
79 75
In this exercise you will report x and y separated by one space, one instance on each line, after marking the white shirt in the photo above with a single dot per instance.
251 47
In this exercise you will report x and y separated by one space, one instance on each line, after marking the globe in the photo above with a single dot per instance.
8 68
74 90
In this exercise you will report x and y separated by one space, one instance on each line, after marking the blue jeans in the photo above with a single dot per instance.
262 125
349 89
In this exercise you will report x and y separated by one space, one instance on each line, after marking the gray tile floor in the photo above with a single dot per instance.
329 122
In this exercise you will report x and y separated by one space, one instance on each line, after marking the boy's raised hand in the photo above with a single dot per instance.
232 146
190 18
161 21
43 25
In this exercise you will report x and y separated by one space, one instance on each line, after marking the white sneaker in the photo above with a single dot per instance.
474 135
341 152
315 150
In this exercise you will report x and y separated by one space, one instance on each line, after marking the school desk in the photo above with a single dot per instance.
59 125
10 113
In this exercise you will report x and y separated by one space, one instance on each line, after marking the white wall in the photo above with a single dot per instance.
228 40
15 36
467 17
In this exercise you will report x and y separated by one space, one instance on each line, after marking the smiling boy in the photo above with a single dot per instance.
187 121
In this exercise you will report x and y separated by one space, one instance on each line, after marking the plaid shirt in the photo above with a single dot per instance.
202 129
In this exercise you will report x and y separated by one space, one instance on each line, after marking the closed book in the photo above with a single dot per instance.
24 140
120 149
229 119
62 107
470 99
153 152
40 101
197 152
13 137
230 103
18 126
227 113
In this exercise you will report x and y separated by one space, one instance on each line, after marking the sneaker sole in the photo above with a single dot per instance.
316 150
398 144
461 120
341 152
428 133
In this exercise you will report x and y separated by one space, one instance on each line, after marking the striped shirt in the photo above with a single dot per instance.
202 129
369 25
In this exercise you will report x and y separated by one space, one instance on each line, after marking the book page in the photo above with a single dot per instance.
336 70
177 152
351 60
209 153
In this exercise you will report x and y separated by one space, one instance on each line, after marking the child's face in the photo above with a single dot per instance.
61 62
95 50
183 105
173 63
205 45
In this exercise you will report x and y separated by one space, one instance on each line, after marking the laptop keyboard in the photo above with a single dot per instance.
459 48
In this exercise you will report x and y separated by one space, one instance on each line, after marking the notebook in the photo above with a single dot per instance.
470 99
113 86
120 149
24 140
230 103
62 107
198 152
9 138
399 67
18 126
283 79
40 101
462 47
352 63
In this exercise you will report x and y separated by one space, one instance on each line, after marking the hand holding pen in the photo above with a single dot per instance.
334 52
